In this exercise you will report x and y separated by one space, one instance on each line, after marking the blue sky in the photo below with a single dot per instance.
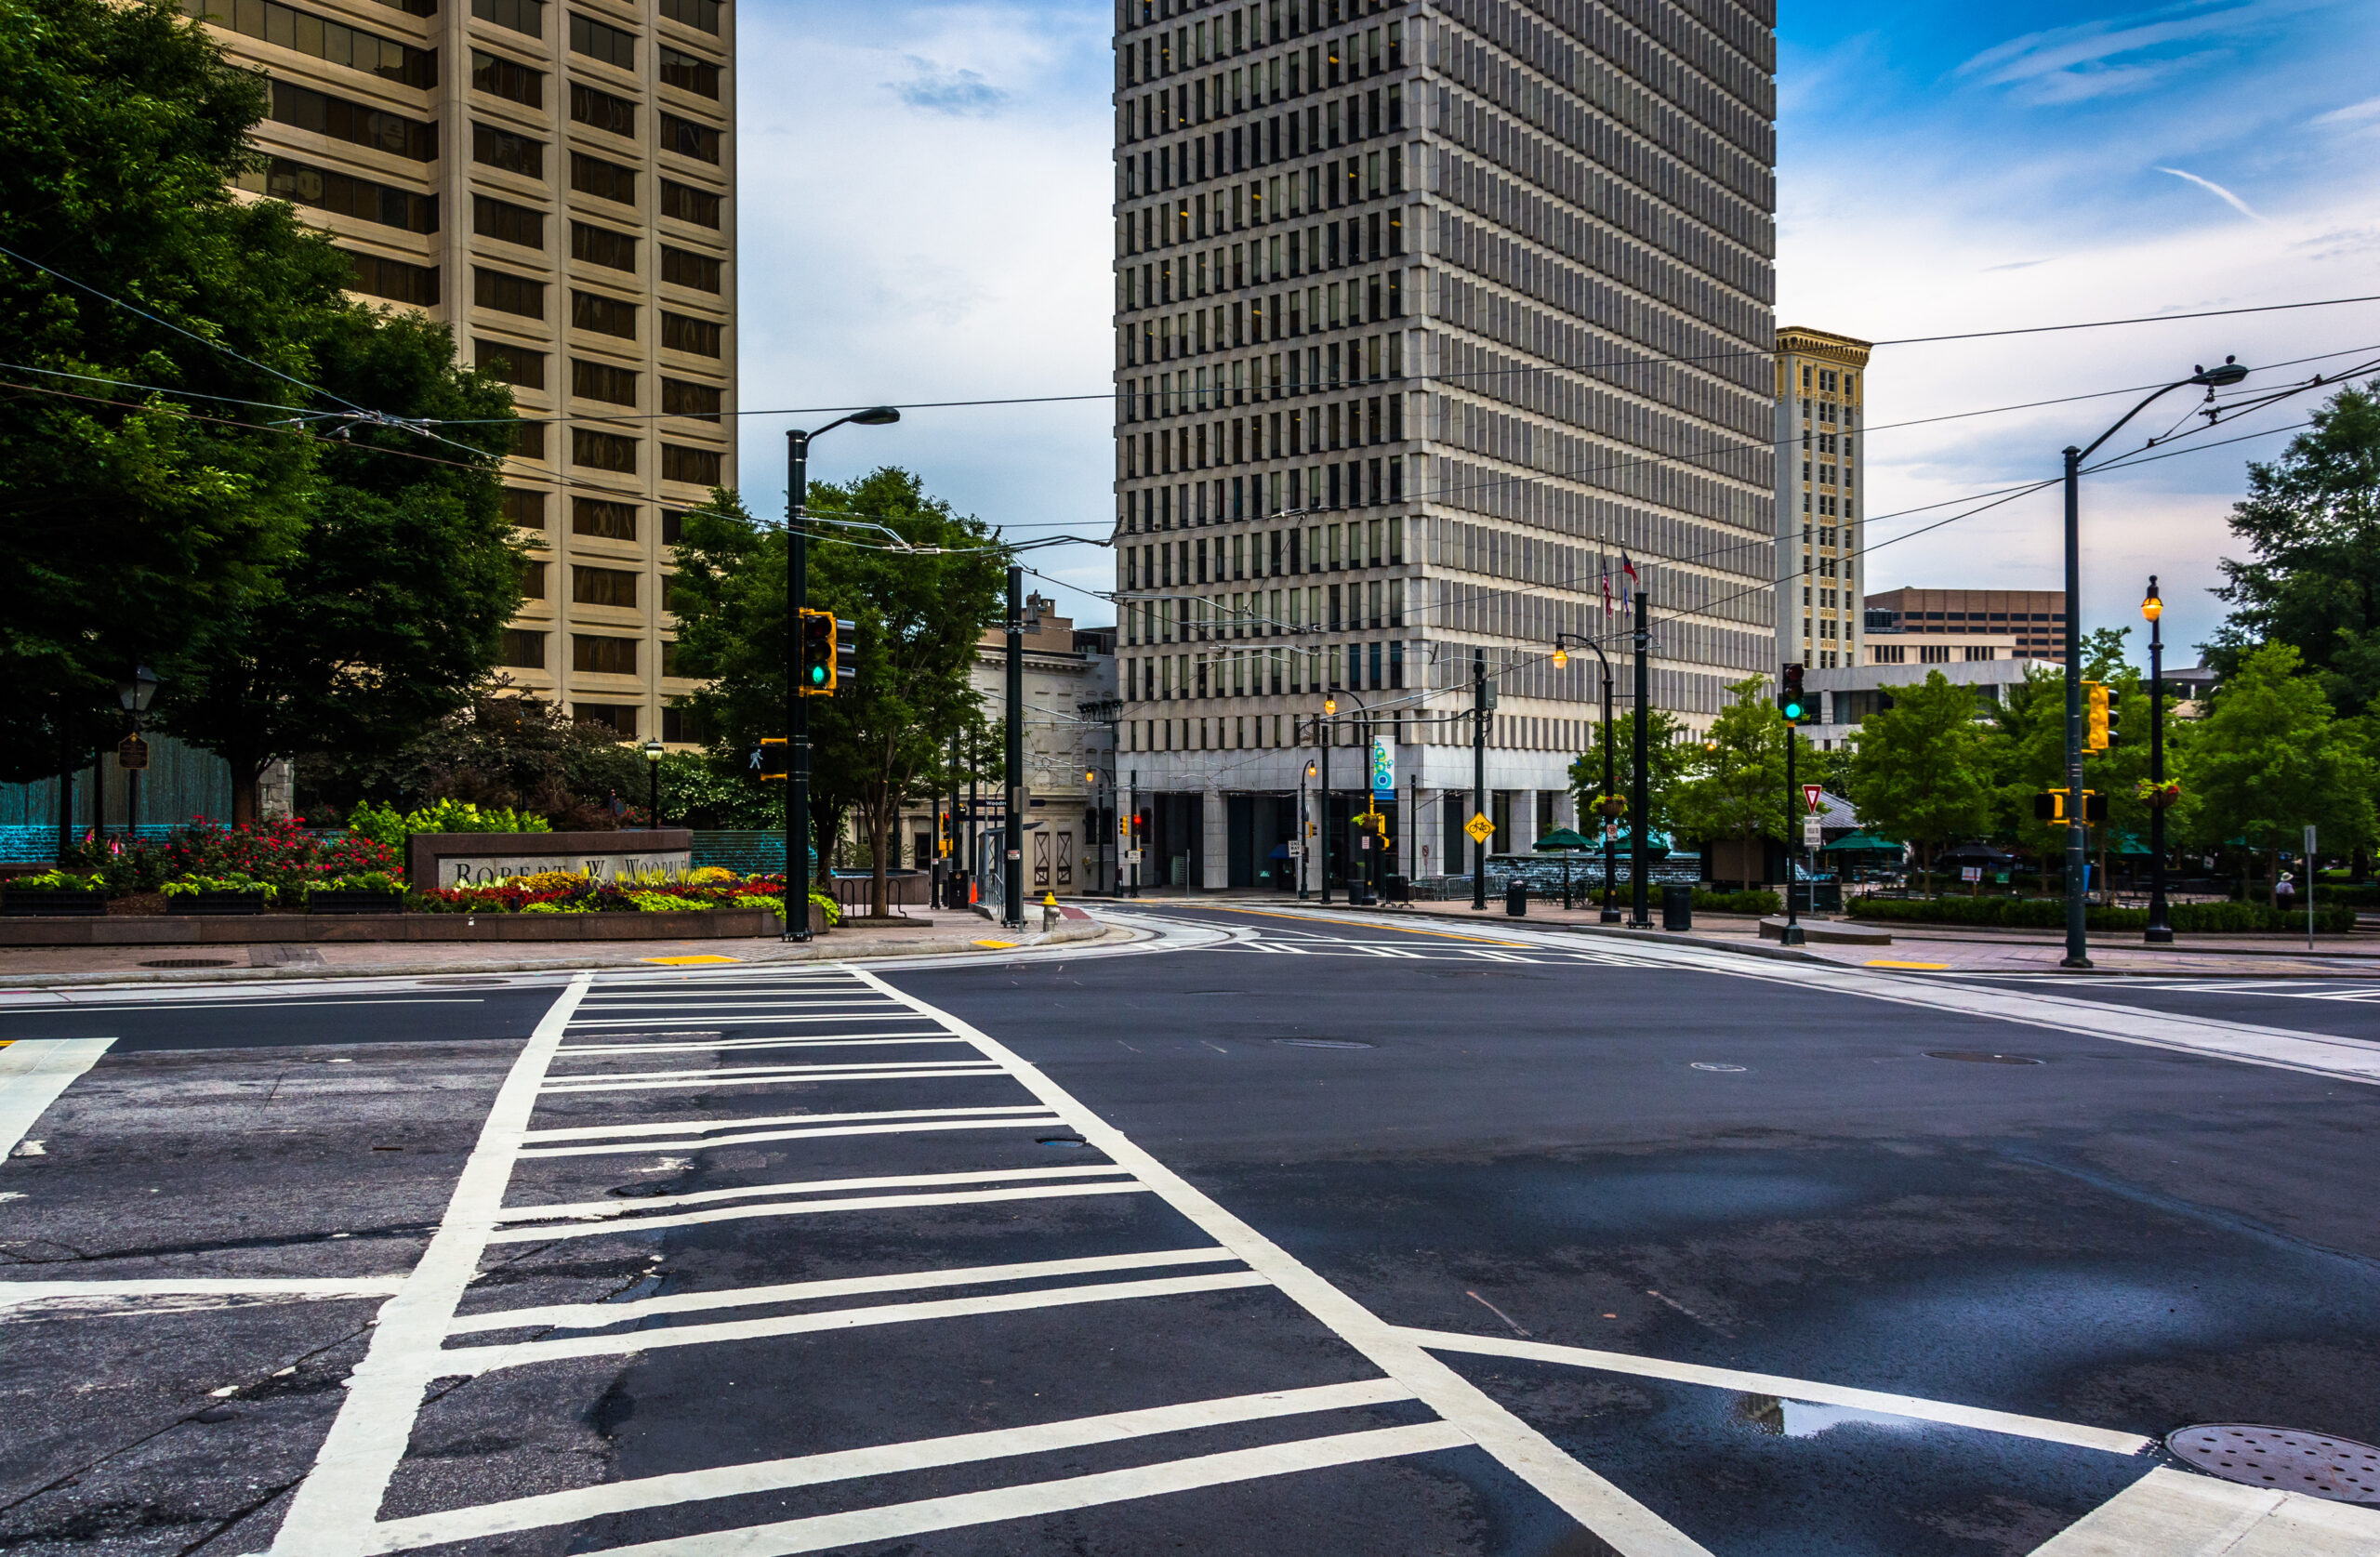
924 199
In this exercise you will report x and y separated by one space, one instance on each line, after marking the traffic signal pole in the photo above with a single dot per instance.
1012 831
1639 801
1792 933
796 710
1479 776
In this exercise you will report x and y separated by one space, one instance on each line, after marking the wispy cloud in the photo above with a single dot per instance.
2217 190
2079 62
962 94
2365 112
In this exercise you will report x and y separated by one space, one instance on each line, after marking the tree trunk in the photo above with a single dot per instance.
2273 894
245 782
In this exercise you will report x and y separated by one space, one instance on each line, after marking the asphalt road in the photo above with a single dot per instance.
1336 1236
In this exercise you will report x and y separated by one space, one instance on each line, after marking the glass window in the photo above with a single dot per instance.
600 41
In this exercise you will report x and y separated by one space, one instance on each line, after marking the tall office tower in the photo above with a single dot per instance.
1427 314
555 183
1818 396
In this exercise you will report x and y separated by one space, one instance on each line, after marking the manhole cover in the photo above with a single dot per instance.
1711 1065
1073 1142
1326 1043
637 1192
1978 1056
2282 1458
190 962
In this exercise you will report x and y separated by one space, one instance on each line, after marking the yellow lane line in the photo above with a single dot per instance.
1369 924
1920 967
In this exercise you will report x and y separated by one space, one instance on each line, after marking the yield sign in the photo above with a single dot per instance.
1811 792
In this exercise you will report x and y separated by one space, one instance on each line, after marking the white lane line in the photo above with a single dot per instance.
333 1508
774 1475
431 1362
1629 1527
682 1126
757 1075
897 1521
759 1136
548 1232
592 1316
747 1020
33 1073
699 1046
18 1292
801 1186
2049 1431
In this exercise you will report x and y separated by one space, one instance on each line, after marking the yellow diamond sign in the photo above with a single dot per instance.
1480 828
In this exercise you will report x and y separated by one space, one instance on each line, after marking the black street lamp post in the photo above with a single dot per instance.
653 750
1611 911
134 692
2159 932
797 712
2077 831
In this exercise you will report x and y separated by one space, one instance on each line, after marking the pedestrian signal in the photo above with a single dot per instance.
769 763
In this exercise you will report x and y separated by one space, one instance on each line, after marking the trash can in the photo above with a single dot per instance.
1677 907
1516 898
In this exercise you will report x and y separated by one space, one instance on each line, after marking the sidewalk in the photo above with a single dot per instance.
1929 948
24 968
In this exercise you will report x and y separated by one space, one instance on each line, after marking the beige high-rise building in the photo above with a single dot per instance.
556 183
1426 316
1819 395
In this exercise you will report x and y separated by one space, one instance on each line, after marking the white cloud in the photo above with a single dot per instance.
2365 112
2220 193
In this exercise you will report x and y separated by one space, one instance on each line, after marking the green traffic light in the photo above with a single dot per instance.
817 674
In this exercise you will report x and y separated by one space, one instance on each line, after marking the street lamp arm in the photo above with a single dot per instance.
2207 378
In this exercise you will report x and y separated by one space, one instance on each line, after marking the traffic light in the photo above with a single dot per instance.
769 762
846 653
815 666
2097 727
2115 709
2095 806
2050 806
1792 702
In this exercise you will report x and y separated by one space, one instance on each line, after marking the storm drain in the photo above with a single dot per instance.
1978 1056
190 962
1326 1043
2282 1458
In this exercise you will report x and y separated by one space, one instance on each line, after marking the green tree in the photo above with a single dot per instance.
919 615
2312 524
1667 754
2272 757
506 750
390 613
134 517
1922 768
1736 789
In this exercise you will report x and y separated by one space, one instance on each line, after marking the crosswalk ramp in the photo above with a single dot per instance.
822 1266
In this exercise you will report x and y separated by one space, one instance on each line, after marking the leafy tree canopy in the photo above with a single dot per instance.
2272 757
1920 770
1736 787
132 517
1668 755
389 614
2312 524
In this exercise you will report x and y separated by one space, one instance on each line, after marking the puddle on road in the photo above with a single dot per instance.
1799 1418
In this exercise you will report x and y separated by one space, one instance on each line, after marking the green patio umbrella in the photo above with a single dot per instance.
1566 840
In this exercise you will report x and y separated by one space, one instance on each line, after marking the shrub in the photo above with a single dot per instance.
1753 901
385 825
284 854
2049 913
60 881
191 886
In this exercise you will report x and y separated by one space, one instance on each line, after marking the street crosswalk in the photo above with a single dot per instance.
763 1105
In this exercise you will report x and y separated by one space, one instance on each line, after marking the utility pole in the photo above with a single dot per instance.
1481 701
2076 832
1323 730
2161 933
797 711
1012 842
948 841
1131 808
1639 799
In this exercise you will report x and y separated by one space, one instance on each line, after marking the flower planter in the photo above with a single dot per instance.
24 899
215 902
355 903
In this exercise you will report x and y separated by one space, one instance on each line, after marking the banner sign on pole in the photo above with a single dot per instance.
1383 771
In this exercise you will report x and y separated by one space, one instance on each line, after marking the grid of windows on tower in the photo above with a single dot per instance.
521 16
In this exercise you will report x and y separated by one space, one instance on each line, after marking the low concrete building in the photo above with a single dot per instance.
1069 702
1847 696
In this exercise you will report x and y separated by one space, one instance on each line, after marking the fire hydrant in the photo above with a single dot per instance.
1049 912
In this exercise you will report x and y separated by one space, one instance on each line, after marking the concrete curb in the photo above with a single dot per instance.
814 951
